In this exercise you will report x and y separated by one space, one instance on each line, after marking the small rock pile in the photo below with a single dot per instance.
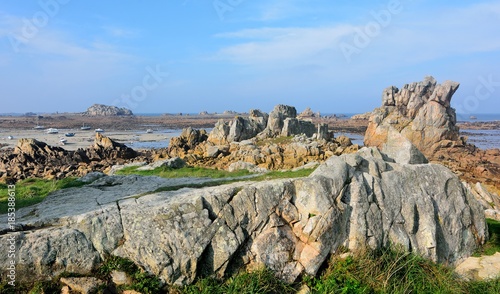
32 158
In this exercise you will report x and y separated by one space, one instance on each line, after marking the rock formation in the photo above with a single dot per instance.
357 201
105 110
32 158
308 113
420 111
260 139
362 116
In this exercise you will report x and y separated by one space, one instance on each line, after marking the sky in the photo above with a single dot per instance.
189 56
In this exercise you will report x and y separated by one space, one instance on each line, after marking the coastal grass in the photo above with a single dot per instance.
390 270
380 271
31 191
493 244
202 172
198 172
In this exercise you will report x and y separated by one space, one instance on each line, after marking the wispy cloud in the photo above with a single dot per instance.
282 44
118 32
410 36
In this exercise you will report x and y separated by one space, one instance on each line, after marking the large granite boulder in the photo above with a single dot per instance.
420 111
105 110
356 201
277 119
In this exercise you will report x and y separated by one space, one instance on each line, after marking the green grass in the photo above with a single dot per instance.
198 172
32 191
493 244
260 281
381 271
141 281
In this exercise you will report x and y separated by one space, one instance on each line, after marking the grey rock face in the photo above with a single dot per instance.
293 126
358 201
401 150
277 118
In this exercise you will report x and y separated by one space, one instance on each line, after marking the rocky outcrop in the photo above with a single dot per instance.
32 158
188 139
308 113
277 119
420 111
260 139
105 110
362 116
356 201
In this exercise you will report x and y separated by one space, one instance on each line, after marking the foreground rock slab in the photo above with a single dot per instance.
357 201
483 268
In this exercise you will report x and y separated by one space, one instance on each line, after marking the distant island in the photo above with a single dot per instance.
105 110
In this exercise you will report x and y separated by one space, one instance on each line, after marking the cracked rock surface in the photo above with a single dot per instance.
356 201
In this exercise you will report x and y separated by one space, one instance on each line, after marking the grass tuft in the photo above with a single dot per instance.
197 172
493 244
31 191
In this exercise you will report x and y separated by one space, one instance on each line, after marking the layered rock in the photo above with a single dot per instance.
420 111
356 201
105 110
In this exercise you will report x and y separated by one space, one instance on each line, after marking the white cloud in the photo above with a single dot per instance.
410 36
282 44
120 32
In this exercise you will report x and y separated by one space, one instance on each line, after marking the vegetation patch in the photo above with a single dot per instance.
141 281
196 172
32 191
260 281
493 244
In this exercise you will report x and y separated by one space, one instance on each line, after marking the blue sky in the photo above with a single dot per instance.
193 55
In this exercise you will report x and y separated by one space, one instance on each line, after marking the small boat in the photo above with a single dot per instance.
63 140
149 131
99 130
85 128
69 134
472 117
39 127
10 137
52 131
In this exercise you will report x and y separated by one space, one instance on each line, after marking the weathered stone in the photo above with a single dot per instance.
293 126
84 285
120 278
401 150
357 201
277 117
480 268
419 111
